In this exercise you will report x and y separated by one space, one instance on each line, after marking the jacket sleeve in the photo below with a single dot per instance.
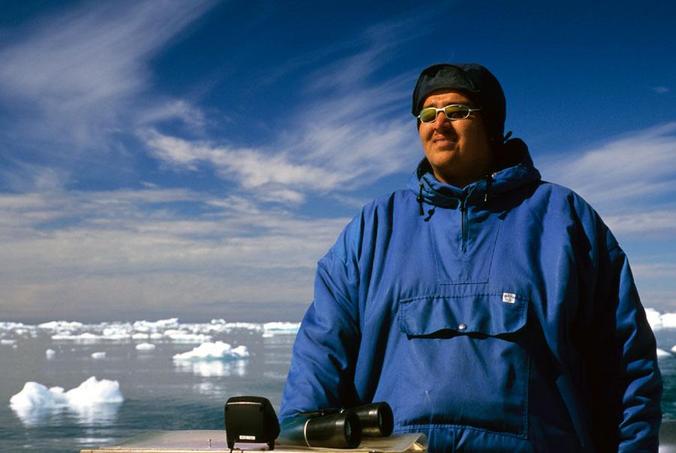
621 363
324 354
639 381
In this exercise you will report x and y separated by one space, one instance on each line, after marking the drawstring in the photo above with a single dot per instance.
420 200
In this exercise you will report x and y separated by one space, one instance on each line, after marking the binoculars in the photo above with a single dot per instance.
338 428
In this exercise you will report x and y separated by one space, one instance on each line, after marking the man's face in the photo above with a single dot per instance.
458 150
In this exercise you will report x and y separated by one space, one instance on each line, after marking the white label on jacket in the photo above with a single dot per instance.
508 298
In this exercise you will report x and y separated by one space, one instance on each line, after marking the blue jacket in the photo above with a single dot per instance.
498 317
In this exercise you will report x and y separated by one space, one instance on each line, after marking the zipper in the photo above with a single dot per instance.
463 224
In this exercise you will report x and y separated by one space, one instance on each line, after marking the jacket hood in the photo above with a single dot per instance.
515 170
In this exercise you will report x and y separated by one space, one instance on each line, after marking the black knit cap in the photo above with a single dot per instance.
477 82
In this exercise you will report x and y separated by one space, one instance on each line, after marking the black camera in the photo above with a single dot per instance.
250 419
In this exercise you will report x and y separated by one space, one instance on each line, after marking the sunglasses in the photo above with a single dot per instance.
453 112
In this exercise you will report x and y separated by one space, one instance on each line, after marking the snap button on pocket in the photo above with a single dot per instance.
462 326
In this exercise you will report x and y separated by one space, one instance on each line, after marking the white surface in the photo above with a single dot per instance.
218 350
90 392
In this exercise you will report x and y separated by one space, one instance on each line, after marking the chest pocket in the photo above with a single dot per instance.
465 364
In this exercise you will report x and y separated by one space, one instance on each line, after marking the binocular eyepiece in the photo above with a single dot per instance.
338 428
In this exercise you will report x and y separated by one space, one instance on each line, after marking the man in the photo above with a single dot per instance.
492 310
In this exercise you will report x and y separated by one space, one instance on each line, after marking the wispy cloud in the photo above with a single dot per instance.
661 90
331 143
646 221
131 249
617 174
73 79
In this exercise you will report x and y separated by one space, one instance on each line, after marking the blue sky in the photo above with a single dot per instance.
195 159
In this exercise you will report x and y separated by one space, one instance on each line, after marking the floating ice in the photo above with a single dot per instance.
654 318
180 336
214 351
92 400
150 326
93 391
212 368
145 347
98 355
60 325
668 320
90 392
116 333
80 338
6 326
50 353
170 329
659 320
661 353
242 325
280 328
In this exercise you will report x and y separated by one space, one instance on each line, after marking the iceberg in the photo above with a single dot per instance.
92 400
98 355
668 320
180 336
60 325
661 353
280 328
654 318
213 368
658 320
80 338
145 347
214 351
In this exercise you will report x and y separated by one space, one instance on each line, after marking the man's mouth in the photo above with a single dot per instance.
442 139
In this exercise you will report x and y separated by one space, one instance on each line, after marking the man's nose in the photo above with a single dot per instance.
442 120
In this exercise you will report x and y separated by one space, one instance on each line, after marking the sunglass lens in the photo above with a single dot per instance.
428 115
456 112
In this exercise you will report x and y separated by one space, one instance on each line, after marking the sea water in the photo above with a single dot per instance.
99 384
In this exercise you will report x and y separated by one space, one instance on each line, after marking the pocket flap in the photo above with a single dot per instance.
489 314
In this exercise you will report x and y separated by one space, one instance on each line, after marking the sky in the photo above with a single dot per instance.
196 158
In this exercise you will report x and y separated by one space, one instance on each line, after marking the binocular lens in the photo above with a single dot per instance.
343 429
339 430
376 419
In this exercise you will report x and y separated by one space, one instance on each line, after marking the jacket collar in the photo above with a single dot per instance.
517 170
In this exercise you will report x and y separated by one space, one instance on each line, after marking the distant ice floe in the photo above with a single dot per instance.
80 338
145 347
661 353
98 355
93 400
180 336
50 353
60 325
163 330
280 328
659 320
216 359
212 368
214 351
